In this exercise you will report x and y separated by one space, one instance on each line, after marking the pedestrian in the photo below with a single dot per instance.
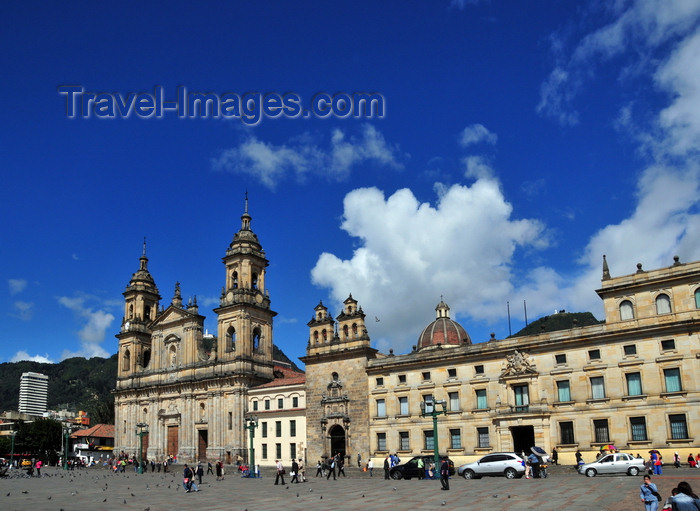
319 469
200 473
676 460
579 458
341 465
386 467
295 472
648 494
187 476
370 467
209 468
420 465
218 471
656 458
280 472
685 500
39 464
445 474
555 456
359 460
302 471
331 470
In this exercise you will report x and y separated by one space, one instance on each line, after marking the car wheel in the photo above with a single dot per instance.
510 473
396 475
633 471
469 474
590 472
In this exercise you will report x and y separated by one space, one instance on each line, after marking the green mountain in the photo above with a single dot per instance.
76 384
558 321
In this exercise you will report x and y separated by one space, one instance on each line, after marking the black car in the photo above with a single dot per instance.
410 468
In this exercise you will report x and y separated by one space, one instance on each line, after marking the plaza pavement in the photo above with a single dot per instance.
98 489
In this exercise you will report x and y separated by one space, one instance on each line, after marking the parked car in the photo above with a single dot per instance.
615 463
26 463
506 464
410 468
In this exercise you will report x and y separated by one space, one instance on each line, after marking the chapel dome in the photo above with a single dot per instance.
443 331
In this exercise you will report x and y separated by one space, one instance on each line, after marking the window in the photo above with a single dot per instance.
381 408
264 429
454 401
381 441
564 391
597 388
278 451
566 432
402 378
626 310
428 440
663 304
697 298
672 377
455 439
668 345
278 428
295 402
479 369
403 405
481 402
293 429
264 451
560 359
600 428
638 426
267 404
452 373
522 399
630 349
255 406
280 403
679 428
634 384
230 421
380 382
482 437
594 355
426 376
293 451
404 443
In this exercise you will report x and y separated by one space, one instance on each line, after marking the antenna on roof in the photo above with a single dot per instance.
509 331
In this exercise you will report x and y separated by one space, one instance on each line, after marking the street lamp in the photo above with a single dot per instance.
428 408
143 430
251 424
66 437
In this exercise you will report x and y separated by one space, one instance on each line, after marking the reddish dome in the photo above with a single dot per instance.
443 331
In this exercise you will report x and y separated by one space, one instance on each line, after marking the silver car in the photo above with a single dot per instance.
615 463
504 464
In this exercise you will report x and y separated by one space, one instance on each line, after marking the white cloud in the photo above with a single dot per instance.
23 355
475 134
16 285
23 310
301 157
477 167
417 252
92 334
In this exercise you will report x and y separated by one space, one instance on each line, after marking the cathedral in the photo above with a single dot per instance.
629 382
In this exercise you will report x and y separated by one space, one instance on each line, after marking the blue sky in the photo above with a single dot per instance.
520 142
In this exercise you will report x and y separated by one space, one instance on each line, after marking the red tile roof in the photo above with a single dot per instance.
284 376
98 430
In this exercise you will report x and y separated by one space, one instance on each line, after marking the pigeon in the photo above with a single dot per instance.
297 494
25 491
133 495
48 498
124 501
443 503
105 500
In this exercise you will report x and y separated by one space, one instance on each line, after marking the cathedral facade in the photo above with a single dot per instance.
186 389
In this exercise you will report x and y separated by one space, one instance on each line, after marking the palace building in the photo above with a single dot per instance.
630 380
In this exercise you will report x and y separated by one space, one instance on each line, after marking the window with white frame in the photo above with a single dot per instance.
672 378
697 298
663 304
626 310
679 426
482 437
403 405
634 384
522 398
404 441
564 391
454 401
600 429
481 402
597 387
428 440
381 408
638 427
381 441
455 439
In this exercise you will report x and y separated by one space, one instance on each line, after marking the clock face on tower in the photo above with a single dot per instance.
259 298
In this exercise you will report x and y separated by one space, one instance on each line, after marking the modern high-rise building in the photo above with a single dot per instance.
33 393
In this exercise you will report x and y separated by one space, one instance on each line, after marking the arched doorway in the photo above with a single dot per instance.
337 437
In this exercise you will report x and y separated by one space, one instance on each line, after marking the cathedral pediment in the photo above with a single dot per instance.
173 315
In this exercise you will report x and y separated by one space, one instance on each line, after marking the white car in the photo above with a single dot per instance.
615 463
504 464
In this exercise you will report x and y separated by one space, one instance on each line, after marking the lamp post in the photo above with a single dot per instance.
142 430
66 437
12 455
251 424
428 408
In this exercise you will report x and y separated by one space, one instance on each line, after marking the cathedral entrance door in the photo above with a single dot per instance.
203 444
337 437
523 439
173 434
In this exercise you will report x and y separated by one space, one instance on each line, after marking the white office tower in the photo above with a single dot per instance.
33 393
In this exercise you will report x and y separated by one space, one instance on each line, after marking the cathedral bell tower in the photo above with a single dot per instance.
244 314
141 300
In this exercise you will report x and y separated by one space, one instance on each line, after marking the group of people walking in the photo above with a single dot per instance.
682 497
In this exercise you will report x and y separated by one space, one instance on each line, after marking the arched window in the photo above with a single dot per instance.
346 331
126 361
131 311
324 334
315 336
231 338
663 304
147 312
255 281
626 310
354 329
172 354
234 280
256 339
146 357
697 298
